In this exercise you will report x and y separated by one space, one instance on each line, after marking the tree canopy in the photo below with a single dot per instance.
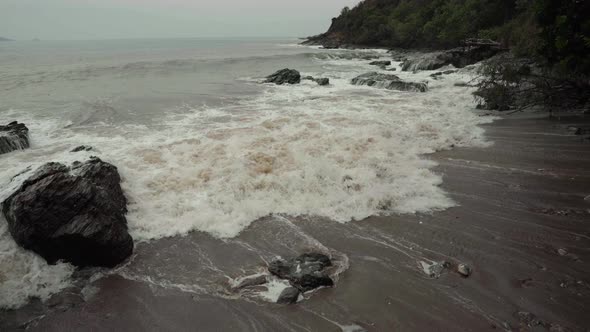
557 32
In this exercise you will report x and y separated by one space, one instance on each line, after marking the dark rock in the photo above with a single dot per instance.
14 136
306 272
458 57
326 41
464 270
435 269
462 84
76 214
439 74
320 81
283 76
82 148
289 296
388 81
381 64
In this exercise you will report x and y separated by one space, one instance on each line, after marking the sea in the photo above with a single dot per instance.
205 147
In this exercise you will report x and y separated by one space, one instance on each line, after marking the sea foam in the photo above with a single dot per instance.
342 152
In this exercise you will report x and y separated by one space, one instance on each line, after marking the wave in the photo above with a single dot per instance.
341 152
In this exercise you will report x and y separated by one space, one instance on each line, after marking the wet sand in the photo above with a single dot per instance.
519 202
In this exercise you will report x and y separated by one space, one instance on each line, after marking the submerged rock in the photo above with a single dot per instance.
381 64
439 74
306 272
76 214
82 148
289 295
14 136
429 61
320 81
388 81
283 76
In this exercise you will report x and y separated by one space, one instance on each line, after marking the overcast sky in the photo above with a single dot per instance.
104 19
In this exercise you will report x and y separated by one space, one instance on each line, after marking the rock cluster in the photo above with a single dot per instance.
14 136
388 81
75 214
305 273
458 57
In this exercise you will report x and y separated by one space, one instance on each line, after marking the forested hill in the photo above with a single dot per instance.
555 28
421 23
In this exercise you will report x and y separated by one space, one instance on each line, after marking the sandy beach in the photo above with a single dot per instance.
520 224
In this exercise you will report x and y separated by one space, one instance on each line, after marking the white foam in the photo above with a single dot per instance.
24 275
343 152
274 288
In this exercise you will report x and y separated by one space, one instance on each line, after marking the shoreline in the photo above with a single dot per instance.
519 224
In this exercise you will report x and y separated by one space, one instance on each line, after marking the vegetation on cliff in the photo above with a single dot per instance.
553 36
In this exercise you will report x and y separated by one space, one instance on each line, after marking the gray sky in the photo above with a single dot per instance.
104 19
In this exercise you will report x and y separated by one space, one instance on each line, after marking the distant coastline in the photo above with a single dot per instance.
2 39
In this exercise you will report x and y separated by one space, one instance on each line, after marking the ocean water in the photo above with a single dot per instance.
202 145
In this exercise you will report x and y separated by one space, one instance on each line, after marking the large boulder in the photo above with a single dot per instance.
306 272
14 136
283 76
388 81
75 214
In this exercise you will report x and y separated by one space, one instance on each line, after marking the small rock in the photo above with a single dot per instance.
289 295
434 270
381 63
587 198
464 270
306 272
562 252
82 148
320 81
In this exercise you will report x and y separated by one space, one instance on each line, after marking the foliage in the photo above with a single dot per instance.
421 23
554 32
507 83
553 35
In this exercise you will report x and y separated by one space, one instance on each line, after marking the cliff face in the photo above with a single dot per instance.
418 23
